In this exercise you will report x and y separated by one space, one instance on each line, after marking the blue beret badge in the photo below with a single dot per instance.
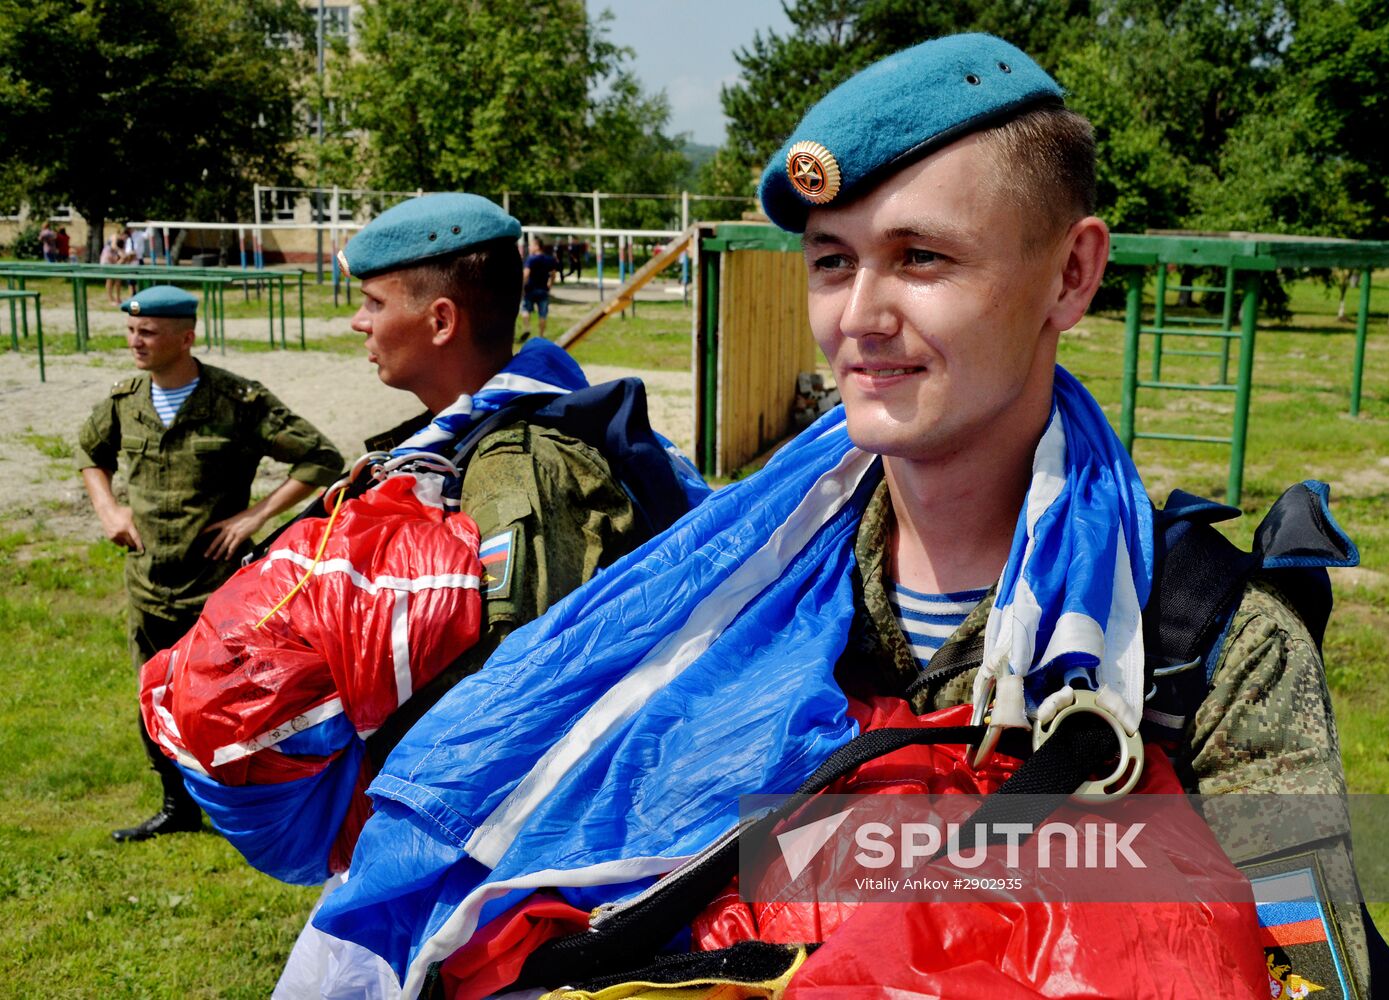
813 171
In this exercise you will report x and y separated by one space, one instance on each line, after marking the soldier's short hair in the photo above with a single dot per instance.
484 280
1046 166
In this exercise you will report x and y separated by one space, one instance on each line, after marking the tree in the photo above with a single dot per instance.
481 96
1164 82
141 107
1310 159
629 150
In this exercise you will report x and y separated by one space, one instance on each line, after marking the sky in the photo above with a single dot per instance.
686 48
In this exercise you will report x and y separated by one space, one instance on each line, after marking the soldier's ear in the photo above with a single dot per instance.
1081 259
445 321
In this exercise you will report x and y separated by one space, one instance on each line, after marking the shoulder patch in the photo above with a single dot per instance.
497 554
125 386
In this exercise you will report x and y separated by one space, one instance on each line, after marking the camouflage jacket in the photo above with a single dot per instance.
195 472
1265 726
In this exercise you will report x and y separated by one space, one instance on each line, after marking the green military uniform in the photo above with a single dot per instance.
191 474
1265 726
181 479
564 516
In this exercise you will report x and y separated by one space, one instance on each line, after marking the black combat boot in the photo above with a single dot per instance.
176 815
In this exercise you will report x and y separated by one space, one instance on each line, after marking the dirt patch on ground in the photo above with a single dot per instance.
339 394
1369 479
1347 578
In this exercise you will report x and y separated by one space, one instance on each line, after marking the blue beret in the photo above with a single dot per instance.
898 110
429 226
161 301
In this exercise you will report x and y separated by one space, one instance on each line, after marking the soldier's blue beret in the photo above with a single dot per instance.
431 225
161 301
900 109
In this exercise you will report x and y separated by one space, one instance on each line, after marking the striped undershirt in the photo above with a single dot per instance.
927 620
167 401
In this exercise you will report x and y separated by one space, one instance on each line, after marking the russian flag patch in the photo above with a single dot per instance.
495 553
1300 949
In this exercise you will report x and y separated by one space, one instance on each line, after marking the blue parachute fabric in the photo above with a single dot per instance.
662 779
285 830
328 737
615 734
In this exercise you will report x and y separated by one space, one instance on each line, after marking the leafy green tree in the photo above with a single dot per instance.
1310 158
628 150
145 107
484 96
1164 82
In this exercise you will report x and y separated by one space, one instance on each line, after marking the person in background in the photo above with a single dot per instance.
116 251
48 243
189 438
537 277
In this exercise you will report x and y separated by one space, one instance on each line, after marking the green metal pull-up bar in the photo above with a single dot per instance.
1244 258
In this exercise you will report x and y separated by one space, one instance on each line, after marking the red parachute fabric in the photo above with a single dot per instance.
394 599
1005 949
493 957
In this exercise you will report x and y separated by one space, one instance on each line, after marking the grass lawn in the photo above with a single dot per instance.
185 917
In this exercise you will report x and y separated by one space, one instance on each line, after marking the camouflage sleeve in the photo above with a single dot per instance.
550 514
98 438
1266 729
291 439
1266 724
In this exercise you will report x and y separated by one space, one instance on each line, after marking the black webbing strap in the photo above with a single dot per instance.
628 938
879 743
1074 752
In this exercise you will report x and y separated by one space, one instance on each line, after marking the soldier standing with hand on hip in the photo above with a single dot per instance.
189 438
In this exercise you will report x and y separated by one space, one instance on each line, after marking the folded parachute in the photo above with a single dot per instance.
266 721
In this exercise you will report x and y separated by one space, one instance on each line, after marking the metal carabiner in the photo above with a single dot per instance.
370 458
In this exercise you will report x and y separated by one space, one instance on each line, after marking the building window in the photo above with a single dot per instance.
337 23
277 206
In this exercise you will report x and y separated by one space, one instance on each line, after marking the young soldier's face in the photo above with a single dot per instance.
934 319
157 343
397 332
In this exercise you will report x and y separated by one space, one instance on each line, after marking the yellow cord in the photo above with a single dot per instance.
322 544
